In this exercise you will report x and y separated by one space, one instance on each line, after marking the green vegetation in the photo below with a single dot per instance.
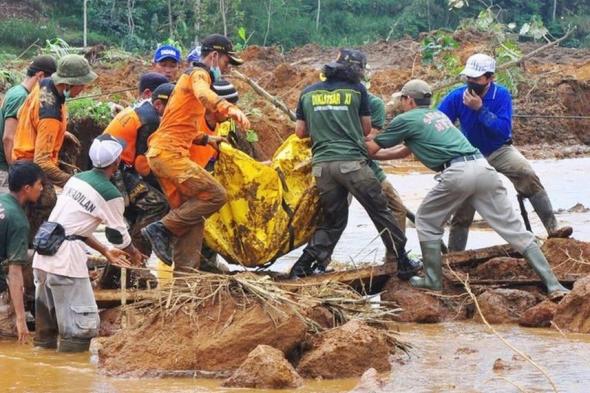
140 25
88 108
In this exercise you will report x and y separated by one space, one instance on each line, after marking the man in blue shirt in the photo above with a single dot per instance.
484 110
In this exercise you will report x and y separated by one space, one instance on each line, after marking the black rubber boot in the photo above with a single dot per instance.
160 239
406 267
303 267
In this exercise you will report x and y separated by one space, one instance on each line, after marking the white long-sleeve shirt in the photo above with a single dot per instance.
88 199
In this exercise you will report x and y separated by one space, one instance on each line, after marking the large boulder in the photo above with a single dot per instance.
573 312
540 315
265 368
505 305
416 305
422 306
568 257
215 339
347 351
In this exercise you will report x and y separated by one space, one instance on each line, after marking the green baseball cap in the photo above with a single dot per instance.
73 70
417 89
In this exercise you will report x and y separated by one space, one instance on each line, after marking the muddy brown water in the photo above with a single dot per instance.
449 357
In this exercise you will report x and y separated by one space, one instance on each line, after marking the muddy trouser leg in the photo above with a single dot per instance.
7 316
186 253
360 181
510 162
334 210
46 330
201 194
460 224
75 311
395 204
40 211
149 208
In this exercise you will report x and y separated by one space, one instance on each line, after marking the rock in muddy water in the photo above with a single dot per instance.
503 268
347 351
573 312
540 315
215 339
504 305
265 368
371 382
421 306
568 256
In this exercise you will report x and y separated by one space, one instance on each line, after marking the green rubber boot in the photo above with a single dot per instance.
538 262
432 259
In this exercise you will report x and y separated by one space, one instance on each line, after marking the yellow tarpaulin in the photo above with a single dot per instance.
271 209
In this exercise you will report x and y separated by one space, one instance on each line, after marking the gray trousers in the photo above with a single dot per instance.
65 309
508 161
478 185
3 182
335 180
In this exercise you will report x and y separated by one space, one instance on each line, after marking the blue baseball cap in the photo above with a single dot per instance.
194 55
167 52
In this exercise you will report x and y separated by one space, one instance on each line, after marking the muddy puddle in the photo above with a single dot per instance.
446 357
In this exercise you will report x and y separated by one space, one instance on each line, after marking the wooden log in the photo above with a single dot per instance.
568 282
477 256
265 94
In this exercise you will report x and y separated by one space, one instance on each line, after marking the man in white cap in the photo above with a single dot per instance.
66 312
465 178
484 110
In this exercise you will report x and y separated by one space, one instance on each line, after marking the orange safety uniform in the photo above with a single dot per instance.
182 128
41 129
134 125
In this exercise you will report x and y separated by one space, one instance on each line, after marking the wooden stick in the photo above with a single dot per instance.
265 94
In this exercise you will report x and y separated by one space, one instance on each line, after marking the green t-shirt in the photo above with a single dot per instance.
14 235
377 107
13 100
429 134
332 112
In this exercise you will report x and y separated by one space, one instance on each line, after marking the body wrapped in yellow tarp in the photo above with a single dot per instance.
270 210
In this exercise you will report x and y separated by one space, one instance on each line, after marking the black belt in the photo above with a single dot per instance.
471 157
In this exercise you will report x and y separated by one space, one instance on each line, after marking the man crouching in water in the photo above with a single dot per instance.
65 307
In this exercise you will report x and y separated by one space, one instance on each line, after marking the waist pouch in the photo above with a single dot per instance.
50 237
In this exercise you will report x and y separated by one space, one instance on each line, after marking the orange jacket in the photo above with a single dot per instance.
179 127
41 129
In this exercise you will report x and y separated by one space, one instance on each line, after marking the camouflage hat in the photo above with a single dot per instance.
73 70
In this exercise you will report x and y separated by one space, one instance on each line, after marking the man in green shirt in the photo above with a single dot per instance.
335 114
24 181
465 176
394 201
41 67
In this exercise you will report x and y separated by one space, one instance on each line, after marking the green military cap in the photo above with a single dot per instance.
417 89
73 70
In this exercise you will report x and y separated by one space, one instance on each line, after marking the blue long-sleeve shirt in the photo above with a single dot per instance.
490 127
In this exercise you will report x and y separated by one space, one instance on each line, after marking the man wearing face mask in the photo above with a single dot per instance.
484 110
41 129
177 237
